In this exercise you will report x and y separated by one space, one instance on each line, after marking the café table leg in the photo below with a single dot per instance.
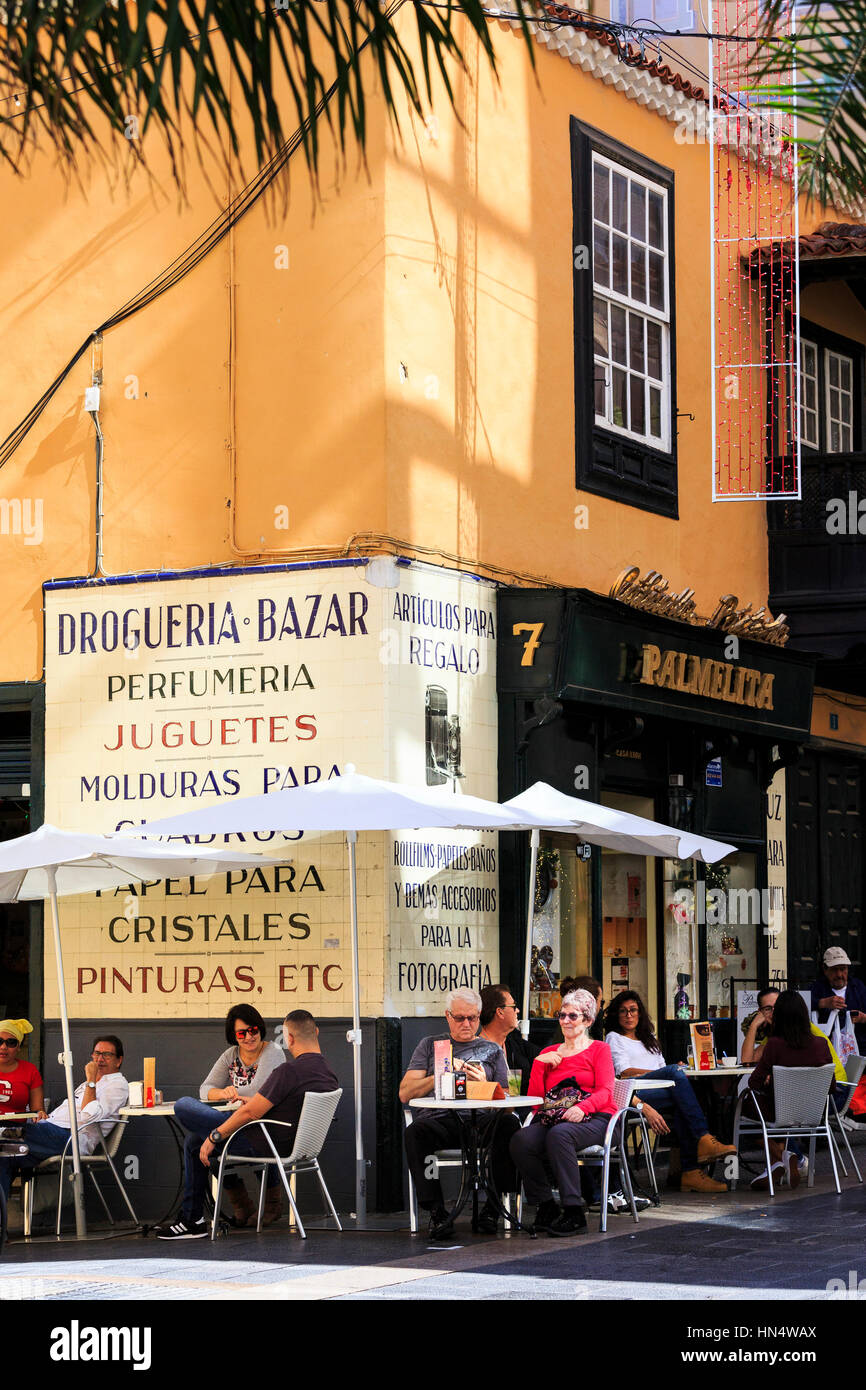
488 1182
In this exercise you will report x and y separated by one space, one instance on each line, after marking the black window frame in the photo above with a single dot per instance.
827 341
607 463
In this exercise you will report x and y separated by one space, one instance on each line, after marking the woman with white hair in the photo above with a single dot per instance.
574 1080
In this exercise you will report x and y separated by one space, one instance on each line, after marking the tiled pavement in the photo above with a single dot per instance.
740 1246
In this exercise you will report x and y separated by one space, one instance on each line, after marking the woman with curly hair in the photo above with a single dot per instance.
636 1052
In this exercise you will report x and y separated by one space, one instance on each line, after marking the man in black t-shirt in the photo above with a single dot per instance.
280 1098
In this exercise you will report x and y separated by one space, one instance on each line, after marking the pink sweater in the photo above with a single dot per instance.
592 1070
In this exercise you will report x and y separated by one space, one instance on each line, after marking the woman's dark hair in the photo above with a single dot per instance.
644 1032
248 1015
791 1020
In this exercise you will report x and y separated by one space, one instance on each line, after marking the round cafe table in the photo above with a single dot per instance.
166 1112
476 1142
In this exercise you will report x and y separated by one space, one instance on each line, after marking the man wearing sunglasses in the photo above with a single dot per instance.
98 1101
431 1130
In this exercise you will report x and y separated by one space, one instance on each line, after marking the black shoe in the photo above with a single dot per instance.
180 1230
547 1214
488 1220
441 1224
570 1223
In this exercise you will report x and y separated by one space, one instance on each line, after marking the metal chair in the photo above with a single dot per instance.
108 1144
315 1119
802 1105
626 1119
445 1158
854 1068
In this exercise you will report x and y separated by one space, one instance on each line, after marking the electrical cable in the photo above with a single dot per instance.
186 262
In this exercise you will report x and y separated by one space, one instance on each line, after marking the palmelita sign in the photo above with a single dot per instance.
170 693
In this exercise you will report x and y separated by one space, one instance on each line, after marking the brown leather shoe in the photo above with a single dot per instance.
696 1181
710 1148
273 1206
239 1201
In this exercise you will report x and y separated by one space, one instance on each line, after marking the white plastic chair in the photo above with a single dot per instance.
802 1105
854 1068
445 1158
109 1145
315 1119
599 1155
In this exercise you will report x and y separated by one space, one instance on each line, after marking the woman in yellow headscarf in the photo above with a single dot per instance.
20 1083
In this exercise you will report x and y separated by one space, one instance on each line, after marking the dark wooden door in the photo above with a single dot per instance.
825 863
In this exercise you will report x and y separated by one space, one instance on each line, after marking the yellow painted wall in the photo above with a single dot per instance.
408 375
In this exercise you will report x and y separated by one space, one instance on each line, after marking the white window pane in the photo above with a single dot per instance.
635 342
600 385
655 396
654 349
620 265
620 202
656 281
845 409
638 211
845 366
636 394
656 220
620 383
601 256
833 369
638 273
617 334
601 192
599 320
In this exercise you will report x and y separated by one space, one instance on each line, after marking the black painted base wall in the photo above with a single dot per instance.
185 1052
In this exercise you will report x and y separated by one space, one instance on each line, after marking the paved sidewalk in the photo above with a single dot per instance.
740 1246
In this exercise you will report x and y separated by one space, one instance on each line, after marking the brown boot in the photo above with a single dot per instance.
239 1201
273 1206
710 1148
696 1181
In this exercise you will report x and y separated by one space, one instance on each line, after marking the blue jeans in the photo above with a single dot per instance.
44 1139
688 1120
200 1118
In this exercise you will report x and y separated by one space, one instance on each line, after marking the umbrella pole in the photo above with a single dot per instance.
354 1037
66 1060
530 915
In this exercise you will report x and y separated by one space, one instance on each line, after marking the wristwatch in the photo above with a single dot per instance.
215 1137
637 1104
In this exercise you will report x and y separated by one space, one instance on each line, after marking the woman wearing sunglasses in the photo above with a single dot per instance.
574 1080
636 1052
20 1082
237 1074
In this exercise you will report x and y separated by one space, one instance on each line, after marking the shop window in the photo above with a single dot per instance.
628 911
682 993
720 903
734 910
625 445
561 927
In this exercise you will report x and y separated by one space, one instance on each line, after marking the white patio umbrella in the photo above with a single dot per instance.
603 826
348 803
52 863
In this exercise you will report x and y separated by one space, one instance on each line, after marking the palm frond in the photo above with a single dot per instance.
827 56
74 65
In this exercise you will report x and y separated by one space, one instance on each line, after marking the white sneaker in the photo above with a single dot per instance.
796 1167
762 1182
847 1123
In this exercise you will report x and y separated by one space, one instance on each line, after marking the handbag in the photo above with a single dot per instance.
558 1099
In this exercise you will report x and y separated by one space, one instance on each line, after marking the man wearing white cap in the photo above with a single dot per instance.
835 990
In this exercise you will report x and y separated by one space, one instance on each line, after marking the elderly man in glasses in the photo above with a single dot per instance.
482 1060
100 1098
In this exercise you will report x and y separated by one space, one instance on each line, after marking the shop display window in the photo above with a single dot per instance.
561 927
682 995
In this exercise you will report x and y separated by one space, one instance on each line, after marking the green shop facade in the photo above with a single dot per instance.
676 721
